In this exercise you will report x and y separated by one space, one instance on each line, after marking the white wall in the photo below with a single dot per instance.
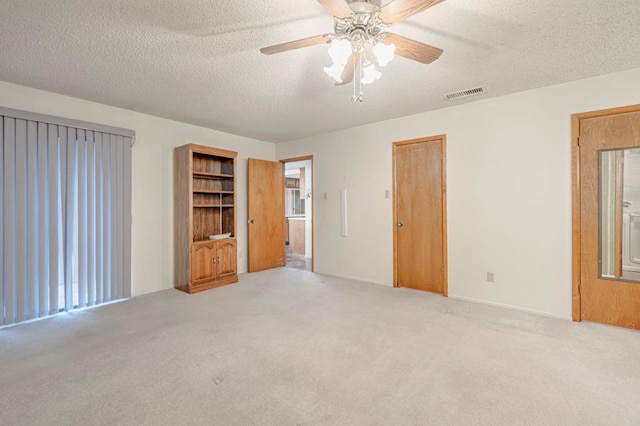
509 191
152 164
509 187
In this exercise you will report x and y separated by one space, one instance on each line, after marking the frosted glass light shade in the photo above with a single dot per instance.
335 71
384 53
370 74
340 50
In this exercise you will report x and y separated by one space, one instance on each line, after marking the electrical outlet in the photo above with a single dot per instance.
386 194
240 254
490 277
324 195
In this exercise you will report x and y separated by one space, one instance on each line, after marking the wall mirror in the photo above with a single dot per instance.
620 214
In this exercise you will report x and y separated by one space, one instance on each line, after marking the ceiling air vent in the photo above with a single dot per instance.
464 93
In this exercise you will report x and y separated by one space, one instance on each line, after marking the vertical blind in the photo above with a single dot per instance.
65 220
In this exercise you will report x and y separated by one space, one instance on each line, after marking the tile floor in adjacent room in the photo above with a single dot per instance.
297 261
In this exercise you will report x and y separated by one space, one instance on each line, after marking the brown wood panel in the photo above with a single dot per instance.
228 220
203 263
420 215
203 184
182 217
297 235
297 44
226 259
412 49
575 218
206 199
608 301
206 221
204 163
399 10
266 214
209 150
349 69
336 8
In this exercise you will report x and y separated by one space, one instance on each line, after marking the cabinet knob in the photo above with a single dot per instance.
251 221
400 224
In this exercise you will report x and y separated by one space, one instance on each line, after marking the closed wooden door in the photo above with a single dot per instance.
420 215
266 215
606 292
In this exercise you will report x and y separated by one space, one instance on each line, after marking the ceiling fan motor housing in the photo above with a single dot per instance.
363 27
363 6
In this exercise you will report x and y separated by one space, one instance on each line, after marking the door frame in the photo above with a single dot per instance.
445 257
576 308
313 205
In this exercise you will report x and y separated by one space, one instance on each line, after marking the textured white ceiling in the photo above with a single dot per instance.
198 61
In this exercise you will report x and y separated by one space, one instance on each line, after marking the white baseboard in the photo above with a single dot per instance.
349 277
512 307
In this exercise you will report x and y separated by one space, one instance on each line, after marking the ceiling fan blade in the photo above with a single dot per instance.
297 44
349 69
399 10
337 8
412 49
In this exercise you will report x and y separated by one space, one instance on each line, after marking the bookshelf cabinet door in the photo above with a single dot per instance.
202 263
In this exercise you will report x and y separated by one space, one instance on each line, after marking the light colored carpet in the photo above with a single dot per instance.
287 347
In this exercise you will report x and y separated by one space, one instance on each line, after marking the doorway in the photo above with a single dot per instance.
420 215
606 216
298 212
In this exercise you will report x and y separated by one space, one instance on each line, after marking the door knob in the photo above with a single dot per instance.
400 224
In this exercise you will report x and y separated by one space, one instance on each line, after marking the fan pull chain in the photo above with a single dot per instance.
357 80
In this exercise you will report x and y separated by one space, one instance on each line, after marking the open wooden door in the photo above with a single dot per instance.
266 215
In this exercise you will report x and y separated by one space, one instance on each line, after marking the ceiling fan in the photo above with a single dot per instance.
360 39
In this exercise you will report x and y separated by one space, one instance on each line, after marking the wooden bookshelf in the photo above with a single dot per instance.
204 193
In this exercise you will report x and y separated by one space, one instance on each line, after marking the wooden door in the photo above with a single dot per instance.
266 215
226 262
614 300
420 215
202 263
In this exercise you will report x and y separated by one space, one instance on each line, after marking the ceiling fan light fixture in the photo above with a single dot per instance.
339 50
370 74
360 28
384 53
335 71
